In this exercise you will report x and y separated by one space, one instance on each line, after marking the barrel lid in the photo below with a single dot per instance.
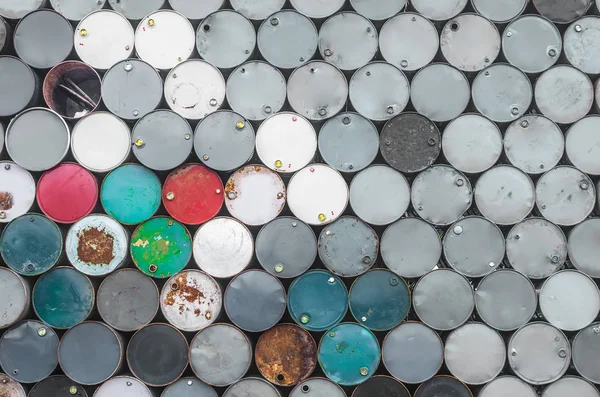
410 142
232 349
317 90
256 90
475 353
17 191
515 200
539 353
286 142
18 86
226 39
586 352
76 10
157 354
15 305
28 351
223 247
317 194
443 299
381 385
251 387
443 384
127 300
571 385
162 140
123 386
5 35
379 91
506 386
412 352
35 46
534 144
565 195
581 143
339 251
474 246
378 10
316 387
104 38
17 9
193 194
502 92
255 300
161 247
90 353
379 209
101 141
562 12
348 40
191 300
441 194
505 300
286 247
55 188
131 89
408 41
317 300
410 247
564 94
439 10
562 308
135 9
37 139
472 143
583 250
257 10
97 245
12 388
499 12
31 244
195 10
440 92
164 39
317 9
470 42
131 194
536 247
49 294
255 195
287 39
189 387
582 44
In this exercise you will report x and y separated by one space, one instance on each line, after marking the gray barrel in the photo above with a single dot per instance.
586 352
439 10
378 10
19 86
443 384
317 9
16 304
582 44
582 247
251 387
17 9
562 12
499 12
189 387
76 10
195 10
571 385
581 145
136 9
506 385
123 386
257 10
317 387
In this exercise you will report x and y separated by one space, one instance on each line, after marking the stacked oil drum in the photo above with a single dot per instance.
304 198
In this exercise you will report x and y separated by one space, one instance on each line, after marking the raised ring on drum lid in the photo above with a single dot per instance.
56 385
381 384
443 384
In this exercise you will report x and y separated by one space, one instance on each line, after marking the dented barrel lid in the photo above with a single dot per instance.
507 385
17 191
499 12
17 9
193 9
17 291
443 384
583 249
19 86
316 387
135 9
76 10
189 387
123 386
251 387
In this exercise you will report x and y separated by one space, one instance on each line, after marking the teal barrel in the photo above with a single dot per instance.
379 300
349 354
317 300
131 194
161 247
31 244
63 297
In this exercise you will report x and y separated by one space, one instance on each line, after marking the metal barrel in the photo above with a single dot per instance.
252 387
123 386
499 13
317 387
57 385
17 188
573 40
16 9
581 248
507 383
16 305
578 136
134 10
76 10
194 10
443 384
315 9
381 384
439 11
585 352
379 10
20 87
257 11
562 13
571 384
189 387
11 388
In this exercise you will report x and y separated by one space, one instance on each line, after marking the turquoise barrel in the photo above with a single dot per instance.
317 300
349 354
31 244
379 300
131 194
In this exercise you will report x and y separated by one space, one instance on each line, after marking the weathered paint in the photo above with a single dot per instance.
443 385
72 89
223 247
439 11
581 143
56 385
193 194
507 385
11 388
91 352
562 12
194 10
161 247
586 352
379 300
317 387
19 86
67 193
28 351
17 191
317 300
136 9
191 300
17 297
97 245
251 387
286 354
157 354
123 386
349 354
255 300
189 387
63 297
220 354
17 9
571 384
499 12
127 300
582 247
75 10
131 194
381 385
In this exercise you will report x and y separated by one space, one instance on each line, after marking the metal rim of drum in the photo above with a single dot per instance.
579 144
448 377
578 232
26 301
487 13
28 188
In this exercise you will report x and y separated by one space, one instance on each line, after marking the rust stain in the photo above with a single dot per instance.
230 186
6 201
141 243
95 246
286 354
184 292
